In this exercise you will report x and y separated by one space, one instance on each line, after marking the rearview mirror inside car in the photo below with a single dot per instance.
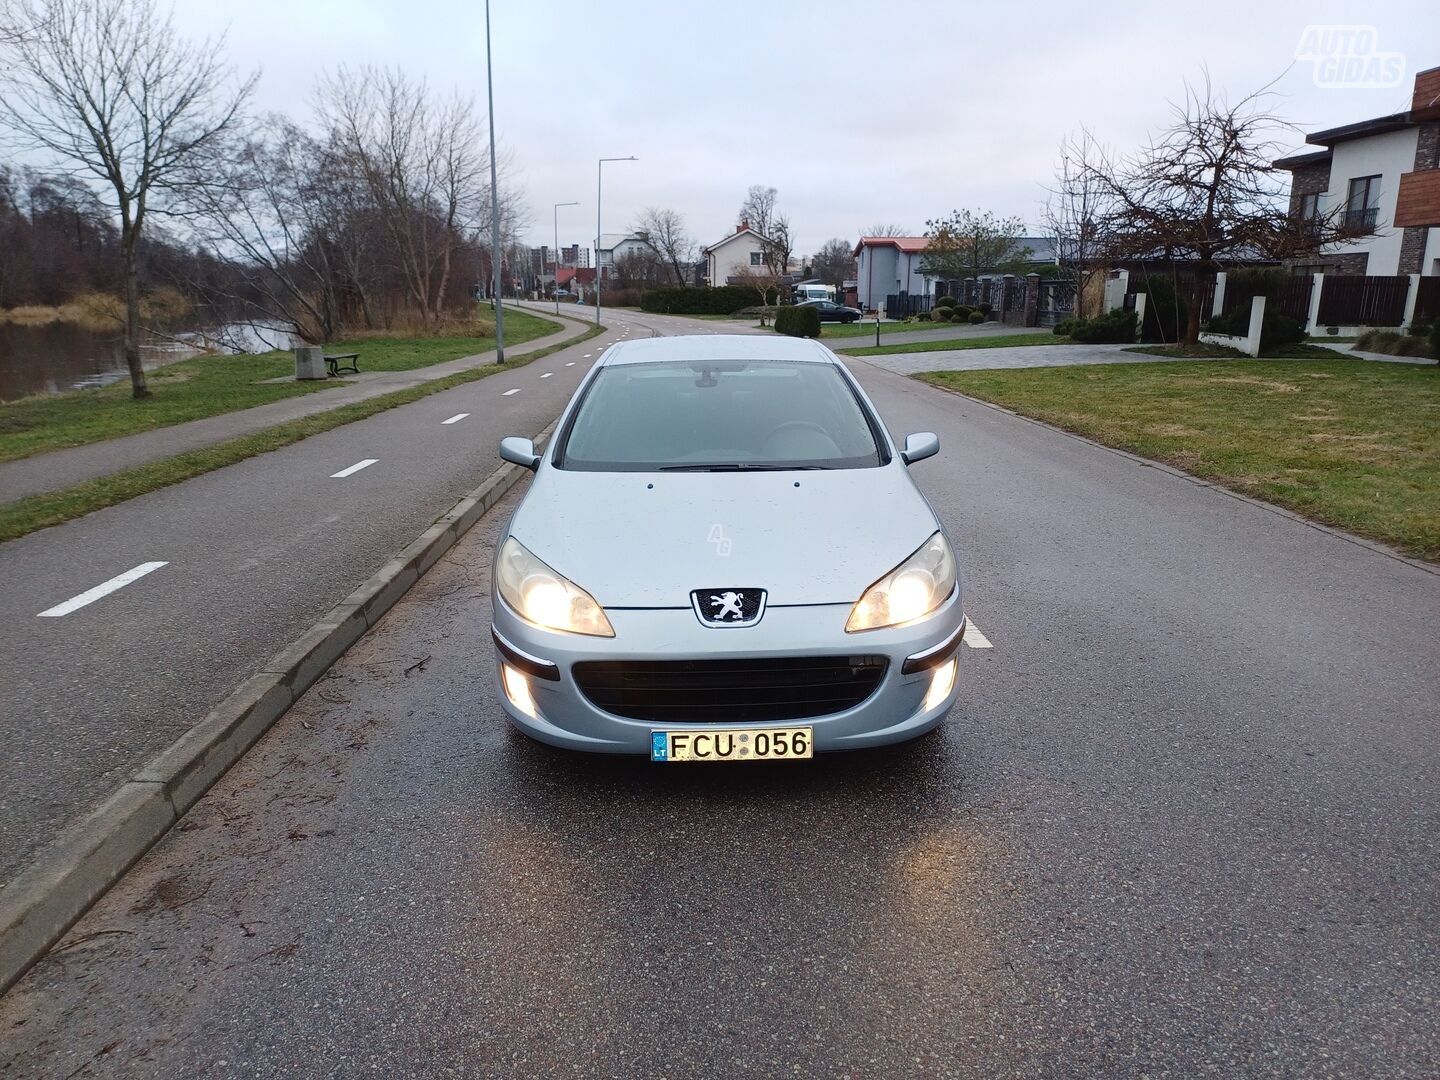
919 446
522 452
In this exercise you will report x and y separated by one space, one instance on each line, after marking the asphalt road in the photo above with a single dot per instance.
253 553
1182 822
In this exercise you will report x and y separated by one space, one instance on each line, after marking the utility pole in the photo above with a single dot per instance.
494 201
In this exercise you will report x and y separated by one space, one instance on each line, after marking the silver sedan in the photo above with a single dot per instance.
722 558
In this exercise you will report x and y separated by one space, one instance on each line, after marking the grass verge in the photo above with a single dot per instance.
1351 443
990 341
211 385
53 508
866 328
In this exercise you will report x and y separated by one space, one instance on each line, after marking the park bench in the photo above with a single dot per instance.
332 363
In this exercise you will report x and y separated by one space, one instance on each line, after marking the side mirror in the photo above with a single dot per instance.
919 446
522 452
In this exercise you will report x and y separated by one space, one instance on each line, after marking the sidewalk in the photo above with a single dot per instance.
60 469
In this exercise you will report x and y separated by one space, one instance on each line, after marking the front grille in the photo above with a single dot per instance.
726 691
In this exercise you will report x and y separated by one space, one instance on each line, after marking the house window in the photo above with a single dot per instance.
1309 207
754 258
1362 206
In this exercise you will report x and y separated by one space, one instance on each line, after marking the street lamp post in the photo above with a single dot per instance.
556 289
599 179
494 201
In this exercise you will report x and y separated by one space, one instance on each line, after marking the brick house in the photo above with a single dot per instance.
1382 174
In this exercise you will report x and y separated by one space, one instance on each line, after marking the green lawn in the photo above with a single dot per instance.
1352 443
866 328
1224 352
210 385
40 511
991 341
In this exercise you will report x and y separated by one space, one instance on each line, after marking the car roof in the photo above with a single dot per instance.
691 347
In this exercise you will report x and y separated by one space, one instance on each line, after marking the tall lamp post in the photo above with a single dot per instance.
599 179
494 201
556 289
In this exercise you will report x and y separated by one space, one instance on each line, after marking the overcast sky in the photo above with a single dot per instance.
857 113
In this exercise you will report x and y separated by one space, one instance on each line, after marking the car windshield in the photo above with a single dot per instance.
715 416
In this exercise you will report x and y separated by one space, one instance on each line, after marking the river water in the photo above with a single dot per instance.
55 357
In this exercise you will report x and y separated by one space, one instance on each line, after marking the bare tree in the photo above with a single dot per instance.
776 246
834 263
886 230
766 284
423 162
758 209
1206 190
1077 213
107 87
665 234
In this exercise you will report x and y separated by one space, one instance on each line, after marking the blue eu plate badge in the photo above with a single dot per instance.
659 745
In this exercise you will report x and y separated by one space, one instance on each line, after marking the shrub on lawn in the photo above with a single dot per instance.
1392 343
965 310
1165 312
977 317
798 321
1065 327
1113 328
694 300
984 309
1277 331
957 317
941 314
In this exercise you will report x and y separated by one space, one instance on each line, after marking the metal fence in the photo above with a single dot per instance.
899 305
1057 302
1352 300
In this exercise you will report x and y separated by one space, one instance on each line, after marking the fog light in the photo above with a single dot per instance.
517 689
941 683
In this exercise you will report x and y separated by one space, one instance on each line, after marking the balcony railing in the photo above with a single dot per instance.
1362 220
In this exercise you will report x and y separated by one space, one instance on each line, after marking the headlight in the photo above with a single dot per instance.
545 598
913 589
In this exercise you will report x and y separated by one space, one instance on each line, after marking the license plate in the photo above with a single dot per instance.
736 744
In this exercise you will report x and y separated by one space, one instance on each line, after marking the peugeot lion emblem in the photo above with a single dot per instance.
728 607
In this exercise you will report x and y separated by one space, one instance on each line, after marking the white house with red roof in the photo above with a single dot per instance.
889 264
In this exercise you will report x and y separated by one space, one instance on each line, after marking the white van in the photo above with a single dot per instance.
803 293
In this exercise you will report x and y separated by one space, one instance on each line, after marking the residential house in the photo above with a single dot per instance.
614 247
890 265
1383 174
742 252
578 280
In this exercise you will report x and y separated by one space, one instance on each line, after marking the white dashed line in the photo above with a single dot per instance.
547 374
89 596
587 356
507 393
570 364
974 638
353 469
456 418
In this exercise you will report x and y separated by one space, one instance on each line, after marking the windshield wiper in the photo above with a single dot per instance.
740 466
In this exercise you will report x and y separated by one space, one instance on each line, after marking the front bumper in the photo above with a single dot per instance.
565 717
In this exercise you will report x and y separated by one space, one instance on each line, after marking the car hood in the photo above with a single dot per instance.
649 539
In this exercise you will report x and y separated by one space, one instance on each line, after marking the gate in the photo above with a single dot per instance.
1352 300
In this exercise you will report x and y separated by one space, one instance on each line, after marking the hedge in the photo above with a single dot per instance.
798 321
692 300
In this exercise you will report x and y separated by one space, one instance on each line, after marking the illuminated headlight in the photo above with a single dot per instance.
911 591
545 598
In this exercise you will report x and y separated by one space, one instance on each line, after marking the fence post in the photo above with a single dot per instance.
1257 320
1116 288
1312 321
1140 299
1410 298
1217 308
1032 299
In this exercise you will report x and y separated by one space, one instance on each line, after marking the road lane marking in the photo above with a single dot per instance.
547 374
570 363
974 638
456 418
353 469
587 356
89 596
509 392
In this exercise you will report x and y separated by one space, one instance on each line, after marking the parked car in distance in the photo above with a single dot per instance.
722 557
833 312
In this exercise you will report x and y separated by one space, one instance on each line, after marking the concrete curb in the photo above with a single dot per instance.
47 898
